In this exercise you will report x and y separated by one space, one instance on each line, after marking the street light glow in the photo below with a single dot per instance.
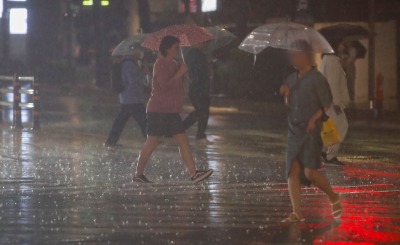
209 5
18 21
90 3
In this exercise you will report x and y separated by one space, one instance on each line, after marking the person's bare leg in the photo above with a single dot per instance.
294 187
320 181
145 154
185 152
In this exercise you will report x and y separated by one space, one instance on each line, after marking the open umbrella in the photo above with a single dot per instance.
188 35
222 37
344 32
126 46
283 36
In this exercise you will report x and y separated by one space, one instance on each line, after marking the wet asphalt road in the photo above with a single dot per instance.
59 185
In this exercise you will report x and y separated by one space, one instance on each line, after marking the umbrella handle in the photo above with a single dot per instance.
183 57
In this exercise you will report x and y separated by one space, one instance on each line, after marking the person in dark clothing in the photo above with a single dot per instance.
199 91
131 98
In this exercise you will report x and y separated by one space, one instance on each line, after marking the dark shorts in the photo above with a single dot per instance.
164 124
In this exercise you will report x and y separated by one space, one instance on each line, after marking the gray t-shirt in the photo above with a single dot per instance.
307 95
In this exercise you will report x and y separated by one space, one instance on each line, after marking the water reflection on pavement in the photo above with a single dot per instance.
60 185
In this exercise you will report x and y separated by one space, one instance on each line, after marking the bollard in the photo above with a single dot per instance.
379 96
1 105
17 120
36 106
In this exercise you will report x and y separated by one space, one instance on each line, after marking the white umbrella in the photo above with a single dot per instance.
283 36
126 46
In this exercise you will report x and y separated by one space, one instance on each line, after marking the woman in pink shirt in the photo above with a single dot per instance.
163 111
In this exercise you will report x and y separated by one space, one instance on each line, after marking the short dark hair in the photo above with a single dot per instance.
166 43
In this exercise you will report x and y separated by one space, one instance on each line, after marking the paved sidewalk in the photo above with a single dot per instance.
60 185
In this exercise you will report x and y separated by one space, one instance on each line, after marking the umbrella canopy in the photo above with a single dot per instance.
344 32
283 36
188 35
222 37
126 46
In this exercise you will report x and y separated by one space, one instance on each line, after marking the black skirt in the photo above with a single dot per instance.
164 124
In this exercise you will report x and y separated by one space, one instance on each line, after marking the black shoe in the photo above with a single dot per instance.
333 161
201 175
141 179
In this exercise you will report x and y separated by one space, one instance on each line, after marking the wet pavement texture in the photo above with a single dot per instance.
60 185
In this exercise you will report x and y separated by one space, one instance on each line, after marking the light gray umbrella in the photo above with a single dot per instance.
126 46
283 36
222 37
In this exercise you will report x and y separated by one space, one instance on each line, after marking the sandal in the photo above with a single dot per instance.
293 218
337 209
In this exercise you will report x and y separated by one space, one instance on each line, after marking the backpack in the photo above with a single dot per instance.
117 83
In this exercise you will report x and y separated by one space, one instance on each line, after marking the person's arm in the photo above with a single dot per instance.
285 87
284 90
181 72
165 75
325 98
313 121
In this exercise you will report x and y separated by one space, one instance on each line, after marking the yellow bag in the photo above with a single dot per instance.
330 134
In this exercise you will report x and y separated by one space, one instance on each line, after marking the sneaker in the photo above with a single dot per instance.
333 161
203 141
201 175
141 179
111 146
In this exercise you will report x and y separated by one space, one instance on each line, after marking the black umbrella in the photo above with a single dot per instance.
344 32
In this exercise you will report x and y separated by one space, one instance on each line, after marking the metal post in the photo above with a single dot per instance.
99 43
371 53
5 32
398 60
17 120
1 100
200 13
36 106
69 37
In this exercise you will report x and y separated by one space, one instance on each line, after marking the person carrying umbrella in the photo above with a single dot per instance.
339 69
332 69
163 110
308 95
199 91
131 96
199 74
